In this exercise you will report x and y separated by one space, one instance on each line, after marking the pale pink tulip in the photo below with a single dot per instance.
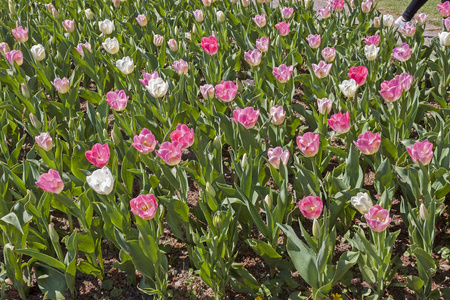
421 18
144 142
277 155
377 218
324 106
308 144
283 73
283 28
4 48
144 206
262 44
402 53
322 69
329 54
170 153
277 115
117 100
80 47
260 20
20 34
406 80
391 90
324 13
181 67
198 15
15 56
147 77
409 29
246 116
340 122
173 45
69 25
314 40
44 140
61 85
142 20
366 6
99 155
447 23
183 136
421 152
226 91
311 207
51 182
368 142
444 9
287 12
253 57
207 91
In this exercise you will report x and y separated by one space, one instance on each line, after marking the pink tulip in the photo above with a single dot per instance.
144 142
253 57
421 18
207 91
69 25
117 100
421 152
368 142
366 6
277 115
324 13
377 218
447 23
283 73
148 77
444 9
308 144
246 116
337 5
226 91
4 48
170 153
359 74
260 20
324 106
406 80
262 44
80 47
61 85
158 40
44 140
391 90
183 136
311 207
144 206
372 40
340 122
287 12
99 155
15 56
322 69
173 45
53 10
51 182
329 54
210 45
314 40
20 34
142 20
283 28
277 155
409 29
402 53
180 66
207 2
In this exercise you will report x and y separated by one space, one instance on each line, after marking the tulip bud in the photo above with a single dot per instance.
173 46
217 221
34 121
268 201
89 14
316 228
423 212
217 143
220 16
210 190
12 10
244 161
53 234
25 91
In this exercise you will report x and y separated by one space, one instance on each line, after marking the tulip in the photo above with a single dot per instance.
377 218
307 3
444 9
44 140
311 207
368 142
157 87
406 80
308 144
391 90
4 48
421 152
324 13
322 69
144 142
89 14
377 22
277 155
444 38
245 3
246 116
142 20
324 106
220 16
147 77
402 53
20 34
170 153
111 45
180 66
283 73
409 29
53 10
447 23
144 206
261 1
15 56
183 136
173 46
262 44
51 182
106 26
210 45
423 212
260 20
329 54
366 6
340 122
187 35
99 155
283 28
277 115
348 88
158 40
117 100
421 18
361 202
125 65
198 15
116 3
372 40
61 85
314 40
337 5
253 57
38 52
371 52
287 12
226 91
388 20
24 90
244 161
207 2
69 25
101 181
316 229
80 47
207 91
359 74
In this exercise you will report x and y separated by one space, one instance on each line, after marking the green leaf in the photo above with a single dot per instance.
43 258
414 283
354 175
266 251
51 282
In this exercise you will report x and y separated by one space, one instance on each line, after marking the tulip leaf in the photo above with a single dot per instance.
266 251
51 282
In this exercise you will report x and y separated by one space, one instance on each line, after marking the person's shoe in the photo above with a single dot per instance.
400 23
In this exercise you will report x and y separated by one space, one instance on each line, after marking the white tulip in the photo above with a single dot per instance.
444 38
361 202
101 181
348 88
371 52
388 20
157 87
423 212
106 26
220 16
89 14
38 52
111 45
125 65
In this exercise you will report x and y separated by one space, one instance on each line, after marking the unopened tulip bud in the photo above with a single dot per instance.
173 46
89 14
53 234
316 229
210 190
34 121
12 10
268 201
220 16
217 143
217 221
423 212
244 161
25 91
